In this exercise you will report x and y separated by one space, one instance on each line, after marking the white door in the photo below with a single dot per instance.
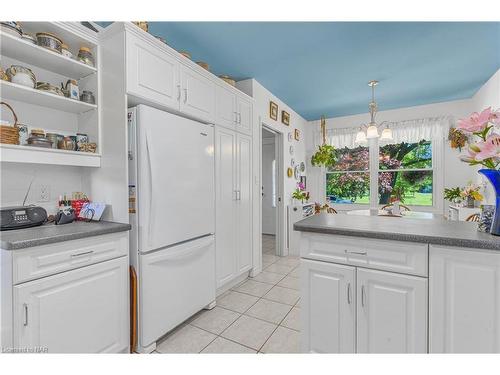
391 312
244 202
244 116
225 227
175 283
464 298
328 299
269 186
226 107
152 74
175 179
81 311
198 95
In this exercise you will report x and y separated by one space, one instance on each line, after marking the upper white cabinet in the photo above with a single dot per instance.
245 116
80 311
233 111
329 316
226 107
152 73
197 95
464 297
392 313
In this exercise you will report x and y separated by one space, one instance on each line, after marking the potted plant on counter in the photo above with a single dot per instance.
484 150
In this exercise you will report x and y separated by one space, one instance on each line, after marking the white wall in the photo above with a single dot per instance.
60 180
268 210
262 96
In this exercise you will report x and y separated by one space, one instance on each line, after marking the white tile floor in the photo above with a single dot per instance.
260 315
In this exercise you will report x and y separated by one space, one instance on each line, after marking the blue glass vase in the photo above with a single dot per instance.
493 176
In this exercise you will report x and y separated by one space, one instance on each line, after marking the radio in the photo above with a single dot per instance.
22 217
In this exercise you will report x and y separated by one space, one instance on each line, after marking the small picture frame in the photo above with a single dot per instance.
285 118
296 134
273 110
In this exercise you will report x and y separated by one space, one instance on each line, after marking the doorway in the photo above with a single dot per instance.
271 189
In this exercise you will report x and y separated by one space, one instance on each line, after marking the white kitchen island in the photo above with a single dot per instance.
373 284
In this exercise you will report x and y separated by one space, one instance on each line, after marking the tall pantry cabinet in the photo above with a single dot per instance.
233 176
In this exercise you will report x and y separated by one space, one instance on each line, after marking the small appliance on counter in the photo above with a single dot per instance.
19 217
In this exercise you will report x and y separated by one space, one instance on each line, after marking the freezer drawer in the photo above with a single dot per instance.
175 283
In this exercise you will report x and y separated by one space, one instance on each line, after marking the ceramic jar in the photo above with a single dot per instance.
86 57
49 41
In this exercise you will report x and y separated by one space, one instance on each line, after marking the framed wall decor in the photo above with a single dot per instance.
296 134
285 118
273 110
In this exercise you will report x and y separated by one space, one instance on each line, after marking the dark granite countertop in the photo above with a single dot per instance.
50 233
437 231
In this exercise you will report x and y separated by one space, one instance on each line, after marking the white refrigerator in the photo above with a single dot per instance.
172 212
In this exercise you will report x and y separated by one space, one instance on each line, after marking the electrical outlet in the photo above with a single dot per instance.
44 193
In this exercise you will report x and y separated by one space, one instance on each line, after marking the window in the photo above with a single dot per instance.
403 171
349 180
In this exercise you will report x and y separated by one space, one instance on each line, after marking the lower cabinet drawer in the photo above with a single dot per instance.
402 257
40 261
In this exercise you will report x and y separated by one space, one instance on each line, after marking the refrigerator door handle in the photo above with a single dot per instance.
150 168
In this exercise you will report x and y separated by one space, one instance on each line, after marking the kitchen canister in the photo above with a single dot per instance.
23 134
80 139
71 89
85 56
53 137
87 97
65 51
49 41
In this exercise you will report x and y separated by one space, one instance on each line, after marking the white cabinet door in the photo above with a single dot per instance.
226 107
152 74
464 298
245 116
198 95
244 202
328 298
225 188
392 312
80 311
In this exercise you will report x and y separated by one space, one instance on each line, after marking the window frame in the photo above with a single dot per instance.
373 147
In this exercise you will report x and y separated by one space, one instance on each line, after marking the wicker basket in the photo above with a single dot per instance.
9 134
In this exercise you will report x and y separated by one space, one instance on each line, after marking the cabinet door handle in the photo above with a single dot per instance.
349 293
185 95
239 118
82 254
178 93
356 252
25 310
363 295
235 117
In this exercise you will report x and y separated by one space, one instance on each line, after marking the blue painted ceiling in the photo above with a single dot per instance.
323 67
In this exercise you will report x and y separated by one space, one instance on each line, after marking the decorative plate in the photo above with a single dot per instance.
291 150
302 166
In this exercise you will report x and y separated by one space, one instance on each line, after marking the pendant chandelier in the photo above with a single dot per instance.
370 130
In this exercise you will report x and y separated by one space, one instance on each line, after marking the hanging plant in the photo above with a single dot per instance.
325 156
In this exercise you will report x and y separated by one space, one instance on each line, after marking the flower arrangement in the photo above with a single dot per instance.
485 127
471 191
300 193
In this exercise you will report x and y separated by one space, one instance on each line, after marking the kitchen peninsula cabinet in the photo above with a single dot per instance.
428 286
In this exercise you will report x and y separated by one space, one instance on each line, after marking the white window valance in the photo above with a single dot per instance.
409 131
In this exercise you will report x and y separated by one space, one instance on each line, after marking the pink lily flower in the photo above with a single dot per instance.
495 117
476 122
489 149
